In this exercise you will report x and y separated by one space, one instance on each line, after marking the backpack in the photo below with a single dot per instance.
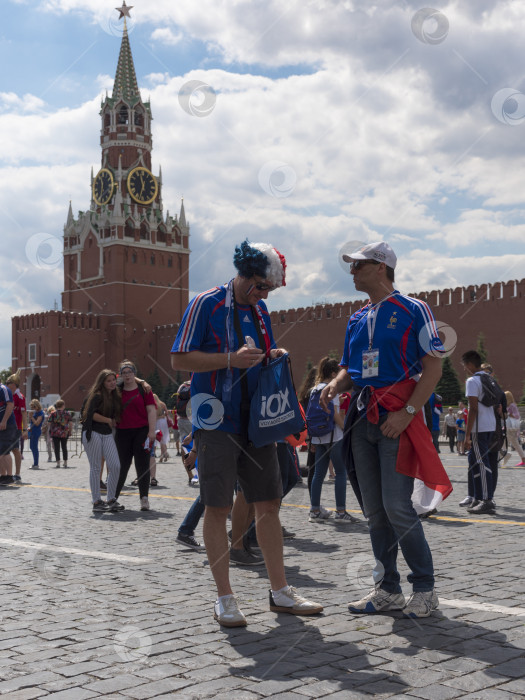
318 421
490 390
182 400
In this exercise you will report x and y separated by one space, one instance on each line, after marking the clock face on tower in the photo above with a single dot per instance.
142 185
103 186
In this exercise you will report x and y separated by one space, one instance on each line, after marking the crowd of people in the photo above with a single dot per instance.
372 419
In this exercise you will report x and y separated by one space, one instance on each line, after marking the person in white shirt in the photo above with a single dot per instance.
481 424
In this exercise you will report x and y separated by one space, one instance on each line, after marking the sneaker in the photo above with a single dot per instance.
190 541
421 604
466 501
227 613
50 459
6 479
144 503
17 477
100 506
103 486
114 506
57 465
319 516
287 535
289 601
345 518
65 465
35 466
482 507
377 601
243 557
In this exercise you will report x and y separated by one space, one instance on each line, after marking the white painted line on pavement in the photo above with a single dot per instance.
484 607
71 550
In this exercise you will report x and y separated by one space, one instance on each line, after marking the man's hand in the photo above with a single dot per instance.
468 443
396 422
3 425
328 394
246 358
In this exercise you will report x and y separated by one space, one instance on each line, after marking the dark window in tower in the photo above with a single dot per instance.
134 258
129 231
170 262
139 119
107 120
123 115
152 260
90 308
144 232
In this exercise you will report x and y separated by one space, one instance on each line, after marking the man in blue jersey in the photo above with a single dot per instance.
390 343
8 435
224 337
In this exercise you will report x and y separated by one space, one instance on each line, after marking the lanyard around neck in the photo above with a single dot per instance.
371 319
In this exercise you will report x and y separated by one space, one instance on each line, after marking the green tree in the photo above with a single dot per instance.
482 350
448 386
156 384
5 373
168 395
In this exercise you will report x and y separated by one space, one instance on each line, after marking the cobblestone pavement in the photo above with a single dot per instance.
110 606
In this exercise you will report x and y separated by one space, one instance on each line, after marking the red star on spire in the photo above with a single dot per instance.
124 10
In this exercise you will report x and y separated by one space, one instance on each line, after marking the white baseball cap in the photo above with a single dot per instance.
380 252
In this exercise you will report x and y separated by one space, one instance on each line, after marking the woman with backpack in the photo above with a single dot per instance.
137 423
326 432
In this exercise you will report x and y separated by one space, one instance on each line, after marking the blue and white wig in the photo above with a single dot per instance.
260 259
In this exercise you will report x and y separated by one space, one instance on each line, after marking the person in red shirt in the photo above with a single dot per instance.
19 410
136 425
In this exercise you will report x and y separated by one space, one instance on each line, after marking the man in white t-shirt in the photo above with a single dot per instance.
481 424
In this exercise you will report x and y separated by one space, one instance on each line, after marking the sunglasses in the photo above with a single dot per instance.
358 264
264 287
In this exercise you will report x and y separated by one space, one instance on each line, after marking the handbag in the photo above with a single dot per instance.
512 423
274 408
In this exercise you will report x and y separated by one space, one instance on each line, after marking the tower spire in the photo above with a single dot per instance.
125 84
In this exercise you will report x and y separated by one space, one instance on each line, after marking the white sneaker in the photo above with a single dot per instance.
421 604
377 601
226 612
319 516
345 518
144 503
289 601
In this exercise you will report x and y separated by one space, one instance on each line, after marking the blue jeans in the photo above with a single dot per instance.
33 444
392 520
323 455
192 518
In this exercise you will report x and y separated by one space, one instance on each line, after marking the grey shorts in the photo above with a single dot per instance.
223 459
9 439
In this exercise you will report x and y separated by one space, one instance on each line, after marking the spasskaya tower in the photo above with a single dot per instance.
125 261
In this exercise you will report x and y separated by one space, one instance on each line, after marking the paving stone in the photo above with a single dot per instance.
62 633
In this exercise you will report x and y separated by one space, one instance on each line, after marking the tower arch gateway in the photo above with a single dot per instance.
108 252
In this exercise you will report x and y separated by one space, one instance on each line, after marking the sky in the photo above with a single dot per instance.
321 124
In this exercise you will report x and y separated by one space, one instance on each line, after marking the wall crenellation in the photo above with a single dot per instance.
487 292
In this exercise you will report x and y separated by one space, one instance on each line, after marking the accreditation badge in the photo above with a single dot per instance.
370 364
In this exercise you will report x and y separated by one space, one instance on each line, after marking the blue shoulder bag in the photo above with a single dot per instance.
274 408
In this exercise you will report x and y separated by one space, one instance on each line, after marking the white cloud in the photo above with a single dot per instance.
385 136
166 36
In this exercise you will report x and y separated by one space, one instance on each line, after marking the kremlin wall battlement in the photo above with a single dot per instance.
496 310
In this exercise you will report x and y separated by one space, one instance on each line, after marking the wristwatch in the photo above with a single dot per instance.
411 410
